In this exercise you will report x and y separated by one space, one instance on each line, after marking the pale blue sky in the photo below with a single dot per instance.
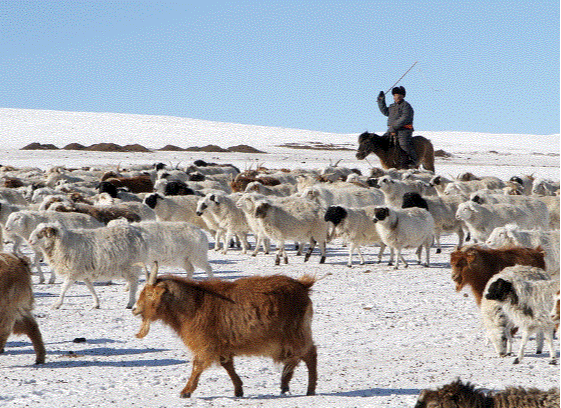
483 66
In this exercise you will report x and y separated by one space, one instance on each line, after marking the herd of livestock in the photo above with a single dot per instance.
100 224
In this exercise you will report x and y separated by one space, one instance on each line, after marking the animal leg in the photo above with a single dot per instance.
5 331
539 342
322 249
310 249
287 373
310 358
427 255
381 251
236 380
68 281
188 266
418 253
91 288
198 367
133 282
37 264
525 336
28 326
551 348
392 254
350 259
227 239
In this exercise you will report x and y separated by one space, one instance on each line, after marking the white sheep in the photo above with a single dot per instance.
537 209
92 254
293 218
405 228
345 194
527 303
177 208
230 220
354 226
553 204
544 187
21 224
280 190
512 235
481 219
5 210
465 188
12 196
246 202
173 244
394 190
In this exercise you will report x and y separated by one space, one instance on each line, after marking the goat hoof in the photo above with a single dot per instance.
553 362
516 361
438 250
322 260
238 393
284 390
185 395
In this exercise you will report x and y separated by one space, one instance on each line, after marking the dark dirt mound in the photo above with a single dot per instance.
39 146
105 147
442 153
244 149
171 148
207 148
74 146
136 148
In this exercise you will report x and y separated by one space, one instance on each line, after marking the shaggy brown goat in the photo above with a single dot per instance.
217 320
389 153
103 214
241 181
16 303
137 184
460 395
474 265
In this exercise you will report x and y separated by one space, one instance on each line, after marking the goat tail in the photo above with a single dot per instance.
307 280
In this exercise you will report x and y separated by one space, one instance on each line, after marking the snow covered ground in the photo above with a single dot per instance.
382 335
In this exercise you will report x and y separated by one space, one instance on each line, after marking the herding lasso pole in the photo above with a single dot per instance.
391 87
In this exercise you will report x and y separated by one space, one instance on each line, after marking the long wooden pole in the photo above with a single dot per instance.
397 82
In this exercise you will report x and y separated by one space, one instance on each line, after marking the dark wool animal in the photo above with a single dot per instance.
389 153
414 199
218 320
460 395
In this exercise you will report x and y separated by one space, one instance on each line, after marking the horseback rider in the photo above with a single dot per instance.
400 124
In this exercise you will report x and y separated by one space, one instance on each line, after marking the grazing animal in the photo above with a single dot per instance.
464 395
16 303
92 254
405 228
355 226
527 302
217 320
388 152
474 266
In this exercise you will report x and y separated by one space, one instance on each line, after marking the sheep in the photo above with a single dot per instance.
240 182
465 188
350 196
460 395
443 210
355 226
405 228
524 182
298 219
538 211
217 320
103 214
512 235
394 190
12 196
527 303
5 210
246 202
481 219
91 254
280 190
552 203
117 193
177 208
16 304
544 187
20 224
474 265
229 218
173 244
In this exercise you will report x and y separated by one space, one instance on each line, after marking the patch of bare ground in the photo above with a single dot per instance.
244 149
442 153
39 146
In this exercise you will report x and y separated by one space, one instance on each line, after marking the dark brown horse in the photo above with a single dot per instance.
389 152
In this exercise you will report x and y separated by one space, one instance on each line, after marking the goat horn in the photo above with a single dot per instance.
337 162
153 274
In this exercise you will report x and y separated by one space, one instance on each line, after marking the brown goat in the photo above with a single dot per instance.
474 265
16 303
217 320
389 154
241 181
103 214
460 395
136 184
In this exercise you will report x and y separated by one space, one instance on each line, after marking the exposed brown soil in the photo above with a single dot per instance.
39 146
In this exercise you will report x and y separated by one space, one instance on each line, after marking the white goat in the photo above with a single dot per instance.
481 219
177 208
512 235
527 303
280 190
23 222
394 190
246 202
348 196
92 254
173 244
230 220
354 226
297 219
405 228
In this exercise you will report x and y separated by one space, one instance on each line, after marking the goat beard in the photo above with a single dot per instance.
144 329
